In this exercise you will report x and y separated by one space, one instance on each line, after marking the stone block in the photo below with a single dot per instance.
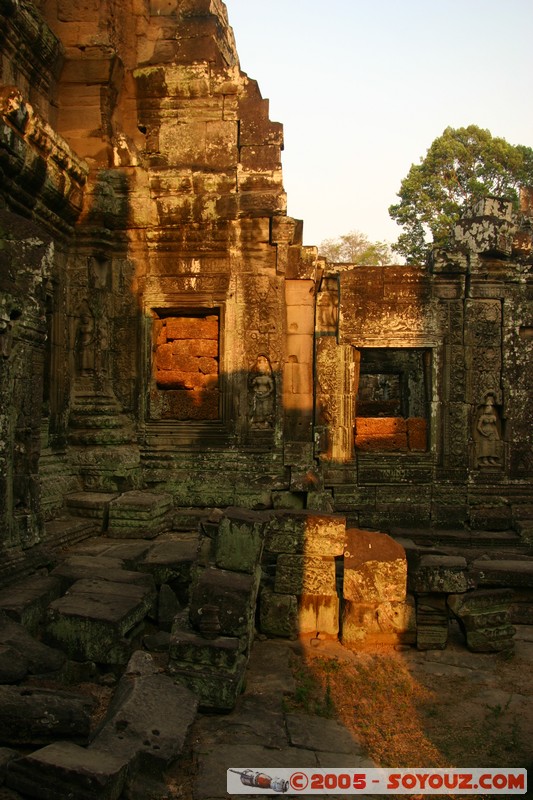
217 689
380 426
102 568
233 594
484 616
439 573
65 770
375 568
29 654
139 514
500 572
92 622
239 540
32 716
148 720
189 648
319 614
26 602
170 560
278 614
431 622
298 574
379 623
307 532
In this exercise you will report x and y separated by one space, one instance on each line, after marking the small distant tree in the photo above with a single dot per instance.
460 167
356 248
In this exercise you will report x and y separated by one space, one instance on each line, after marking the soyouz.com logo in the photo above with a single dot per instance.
251 780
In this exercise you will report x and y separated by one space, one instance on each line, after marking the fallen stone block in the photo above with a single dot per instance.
76 568
170 560
39 658
90 504
232 595
375 568
64 771
484 616
32 716
440 573
13 665
92 621
305 532
217 689
148 720
26 602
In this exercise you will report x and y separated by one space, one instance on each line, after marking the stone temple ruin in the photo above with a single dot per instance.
201 417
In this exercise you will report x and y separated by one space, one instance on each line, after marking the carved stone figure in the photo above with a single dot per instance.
328 306
487 434
85 342
262 393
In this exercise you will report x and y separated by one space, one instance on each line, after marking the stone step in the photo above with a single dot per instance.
97 619
67 530
139 514
433 537
94 505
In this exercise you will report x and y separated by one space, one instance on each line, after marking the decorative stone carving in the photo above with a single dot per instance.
263 392
328 306
487 434
85 341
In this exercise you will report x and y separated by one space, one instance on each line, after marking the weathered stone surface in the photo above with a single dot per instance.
318 614
503 573
38 657
297 574
167 607
102 568
317 733
484 616
147 722
93 620
431 622
64 770
187 647
13 665
239 541
170 560
232 593
32 716
138 514
216 689
375 568
307 532
278 614
26 602
379 623
439 573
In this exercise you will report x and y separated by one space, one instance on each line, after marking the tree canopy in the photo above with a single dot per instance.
356 248
461 166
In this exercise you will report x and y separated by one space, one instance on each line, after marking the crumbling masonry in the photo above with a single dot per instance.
168 346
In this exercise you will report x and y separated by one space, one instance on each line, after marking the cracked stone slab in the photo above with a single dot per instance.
104 568
149 717
39 657
63 771
318 733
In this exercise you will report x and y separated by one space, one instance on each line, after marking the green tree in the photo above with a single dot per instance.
461 166
356 248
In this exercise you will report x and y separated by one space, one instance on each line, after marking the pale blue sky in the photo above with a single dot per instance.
363 88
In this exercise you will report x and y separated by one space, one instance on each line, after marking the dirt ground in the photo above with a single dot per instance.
421 709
